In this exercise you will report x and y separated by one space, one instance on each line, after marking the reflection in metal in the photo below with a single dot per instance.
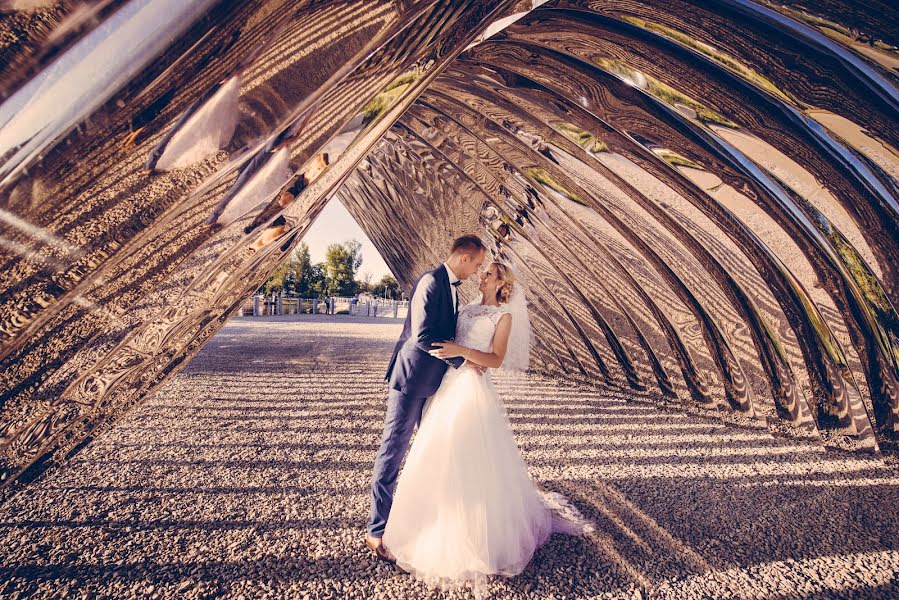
700 196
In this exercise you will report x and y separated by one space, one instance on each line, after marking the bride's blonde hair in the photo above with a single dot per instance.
504 274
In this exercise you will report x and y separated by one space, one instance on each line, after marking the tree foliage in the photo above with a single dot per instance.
387 287
341 263
336 276
289 276
297 276
364 285
318 282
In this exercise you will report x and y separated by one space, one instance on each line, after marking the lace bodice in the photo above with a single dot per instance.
476 325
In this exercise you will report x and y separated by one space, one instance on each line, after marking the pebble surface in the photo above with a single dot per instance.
247 476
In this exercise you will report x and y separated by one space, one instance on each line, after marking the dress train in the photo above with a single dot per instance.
465 507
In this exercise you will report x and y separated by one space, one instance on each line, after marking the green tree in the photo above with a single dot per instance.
292 275
318 281
387 287
364 285
341 263
304 283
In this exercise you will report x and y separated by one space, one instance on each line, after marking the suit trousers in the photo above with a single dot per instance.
403 414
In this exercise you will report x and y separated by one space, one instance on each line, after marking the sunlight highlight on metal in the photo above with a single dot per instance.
701 197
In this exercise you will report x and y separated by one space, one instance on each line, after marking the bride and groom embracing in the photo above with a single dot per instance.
465 506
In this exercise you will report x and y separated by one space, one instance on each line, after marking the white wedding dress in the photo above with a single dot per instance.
465 506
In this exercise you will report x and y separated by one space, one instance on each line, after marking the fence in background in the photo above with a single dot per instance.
261 305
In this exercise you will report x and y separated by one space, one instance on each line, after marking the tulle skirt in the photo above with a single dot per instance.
465 507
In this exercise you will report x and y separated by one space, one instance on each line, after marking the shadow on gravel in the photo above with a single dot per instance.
235 481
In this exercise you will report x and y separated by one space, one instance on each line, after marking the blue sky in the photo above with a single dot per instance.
335 225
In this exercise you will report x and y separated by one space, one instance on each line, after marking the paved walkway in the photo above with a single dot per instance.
248 474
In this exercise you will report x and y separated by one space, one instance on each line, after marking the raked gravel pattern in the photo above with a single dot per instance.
247 476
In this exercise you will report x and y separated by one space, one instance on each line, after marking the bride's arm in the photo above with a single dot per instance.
490 360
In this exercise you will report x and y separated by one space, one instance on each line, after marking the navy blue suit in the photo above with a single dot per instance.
413 376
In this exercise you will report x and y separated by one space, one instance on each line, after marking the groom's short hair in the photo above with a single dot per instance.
468 244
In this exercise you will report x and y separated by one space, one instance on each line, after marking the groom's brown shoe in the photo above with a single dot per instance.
376 546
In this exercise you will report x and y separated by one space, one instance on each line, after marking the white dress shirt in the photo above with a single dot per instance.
452 279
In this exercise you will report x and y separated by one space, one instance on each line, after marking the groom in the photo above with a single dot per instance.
414 375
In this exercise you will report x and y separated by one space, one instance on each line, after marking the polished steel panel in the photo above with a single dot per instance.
701 197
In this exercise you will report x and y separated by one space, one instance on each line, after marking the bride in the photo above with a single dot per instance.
465 507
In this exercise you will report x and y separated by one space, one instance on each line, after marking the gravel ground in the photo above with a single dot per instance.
247 476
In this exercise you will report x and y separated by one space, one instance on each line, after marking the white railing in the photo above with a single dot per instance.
279 304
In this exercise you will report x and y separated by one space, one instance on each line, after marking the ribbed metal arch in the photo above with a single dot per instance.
701 197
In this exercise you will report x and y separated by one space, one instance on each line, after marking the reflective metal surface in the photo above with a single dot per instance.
700 196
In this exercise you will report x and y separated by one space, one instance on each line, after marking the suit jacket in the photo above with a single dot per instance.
412 370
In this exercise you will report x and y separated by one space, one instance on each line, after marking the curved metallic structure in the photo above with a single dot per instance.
701 196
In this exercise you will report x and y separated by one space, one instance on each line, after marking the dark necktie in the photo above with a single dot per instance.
456 284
